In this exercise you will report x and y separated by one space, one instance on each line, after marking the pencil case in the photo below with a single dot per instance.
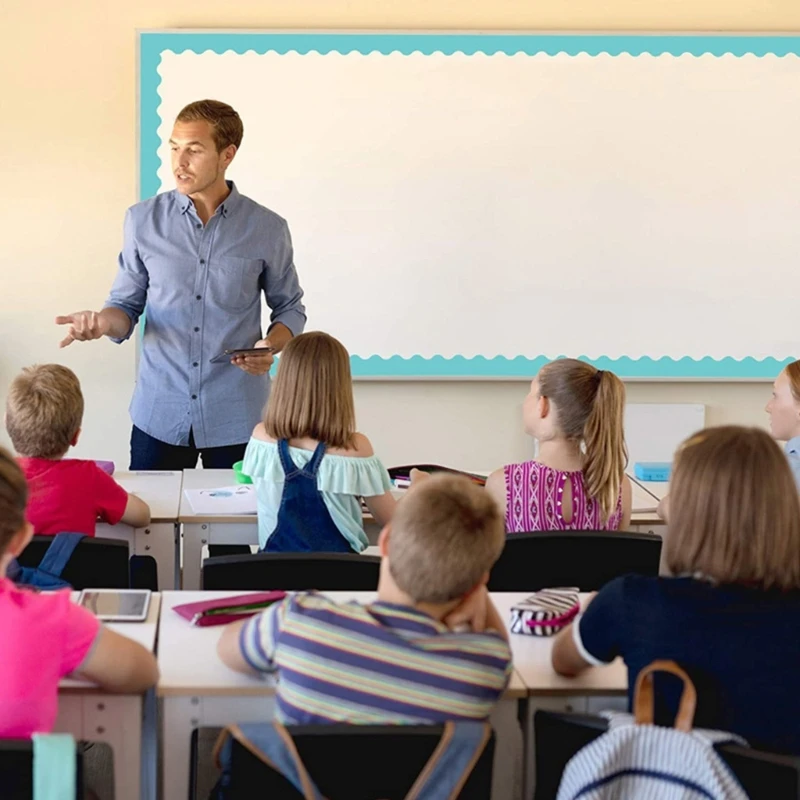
546 612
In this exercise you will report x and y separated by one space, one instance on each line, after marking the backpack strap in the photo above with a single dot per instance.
54 769
59 553
644 699
272 744
289 467
316 459
452 762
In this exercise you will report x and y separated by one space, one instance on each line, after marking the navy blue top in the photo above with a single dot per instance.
741 647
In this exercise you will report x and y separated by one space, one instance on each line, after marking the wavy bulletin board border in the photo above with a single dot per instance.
153 43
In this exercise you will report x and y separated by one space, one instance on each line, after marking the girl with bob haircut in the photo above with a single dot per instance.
577 481
784 414
731 612
309 465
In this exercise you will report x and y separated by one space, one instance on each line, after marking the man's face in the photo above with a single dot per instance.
196 164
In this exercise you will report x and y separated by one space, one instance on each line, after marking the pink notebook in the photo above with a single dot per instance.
227 609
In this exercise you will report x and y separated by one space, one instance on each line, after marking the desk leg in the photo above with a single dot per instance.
158 540
117 721
182 714
507 777
195 536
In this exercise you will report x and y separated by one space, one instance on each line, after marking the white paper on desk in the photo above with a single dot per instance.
239 499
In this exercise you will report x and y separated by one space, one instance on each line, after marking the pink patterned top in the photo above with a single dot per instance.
533 501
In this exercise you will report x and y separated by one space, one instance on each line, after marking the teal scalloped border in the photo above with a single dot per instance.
521 367
153 44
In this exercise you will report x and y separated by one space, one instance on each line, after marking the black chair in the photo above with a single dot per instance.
293 571
97 563
16 770
559 736
390 757
586 559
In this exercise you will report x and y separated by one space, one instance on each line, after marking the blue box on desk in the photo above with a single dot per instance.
655 471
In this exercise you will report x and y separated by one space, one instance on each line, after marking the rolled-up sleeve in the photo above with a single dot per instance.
129 292
281 285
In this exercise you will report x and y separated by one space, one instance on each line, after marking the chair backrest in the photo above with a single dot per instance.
586 559
96 563
384 760
293 571
559 736
16 770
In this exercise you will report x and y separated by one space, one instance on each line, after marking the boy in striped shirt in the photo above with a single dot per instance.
432 648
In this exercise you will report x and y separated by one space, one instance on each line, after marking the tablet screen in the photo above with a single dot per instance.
117 604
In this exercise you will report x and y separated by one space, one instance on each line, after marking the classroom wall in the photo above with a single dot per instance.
68 165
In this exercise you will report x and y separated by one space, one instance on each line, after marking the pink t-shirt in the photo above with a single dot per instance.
69 495
45 637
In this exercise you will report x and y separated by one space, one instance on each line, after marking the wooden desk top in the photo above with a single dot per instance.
146 633
189 663
160 490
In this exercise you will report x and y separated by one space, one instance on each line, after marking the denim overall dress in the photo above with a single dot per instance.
304 522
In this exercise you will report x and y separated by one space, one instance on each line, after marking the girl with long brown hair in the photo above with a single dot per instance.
577 481
309 465
730 611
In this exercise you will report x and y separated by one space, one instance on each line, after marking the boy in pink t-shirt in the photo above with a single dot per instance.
44 412
47 636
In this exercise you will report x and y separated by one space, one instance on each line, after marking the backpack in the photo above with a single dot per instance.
47 575
637 759
442 778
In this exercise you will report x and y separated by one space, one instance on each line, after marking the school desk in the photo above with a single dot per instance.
595 690
201 530
196 689
126 722
160 539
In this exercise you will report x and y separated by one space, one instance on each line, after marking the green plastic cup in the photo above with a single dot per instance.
240 476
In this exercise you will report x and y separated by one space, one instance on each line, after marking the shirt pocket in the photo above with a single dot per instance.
233 282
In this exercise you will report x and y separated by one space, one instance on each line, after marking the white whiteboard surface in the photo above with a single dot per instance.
653 431
523 206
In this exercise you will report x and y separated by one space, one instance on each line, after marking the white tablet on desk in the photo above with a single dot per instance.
117 605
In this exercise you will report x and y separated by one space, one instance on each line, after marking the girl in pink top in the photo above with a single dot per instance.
47 636
578 481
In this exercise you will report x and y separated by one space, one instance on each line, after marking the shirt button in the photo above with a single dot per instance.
199 225
202 261
198 297
196 330
195 364
194 397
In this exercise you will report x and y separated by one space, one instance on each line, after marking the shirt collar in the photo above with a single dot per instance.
226 208
793 445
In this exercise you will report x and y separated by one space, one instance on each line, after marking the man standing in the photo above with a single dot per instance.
199 257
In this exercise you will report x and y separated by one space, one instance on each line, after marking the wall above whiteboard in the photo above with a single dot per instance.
472 206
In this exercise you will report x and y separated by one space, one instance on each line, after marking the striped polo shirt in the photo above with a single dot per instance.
373 664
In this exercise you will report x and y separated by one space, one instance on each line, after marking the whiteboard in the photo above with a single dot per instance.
653 431
473 206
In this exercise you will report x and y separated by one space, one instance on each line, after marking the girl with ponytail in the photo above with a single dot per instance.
578 481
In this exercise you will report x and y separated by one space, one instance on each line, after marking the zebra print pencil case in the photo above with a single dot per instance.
546 612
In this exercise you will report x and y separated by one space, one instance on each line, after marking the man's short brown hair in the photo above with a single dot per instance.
445 535
44 410
13 498
734 513
226 125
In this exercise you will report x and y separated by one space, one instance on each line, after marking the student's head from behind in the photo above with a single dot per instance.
572 400
443 539
15 532
312 394
784 405
204 140
734 510
44 410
